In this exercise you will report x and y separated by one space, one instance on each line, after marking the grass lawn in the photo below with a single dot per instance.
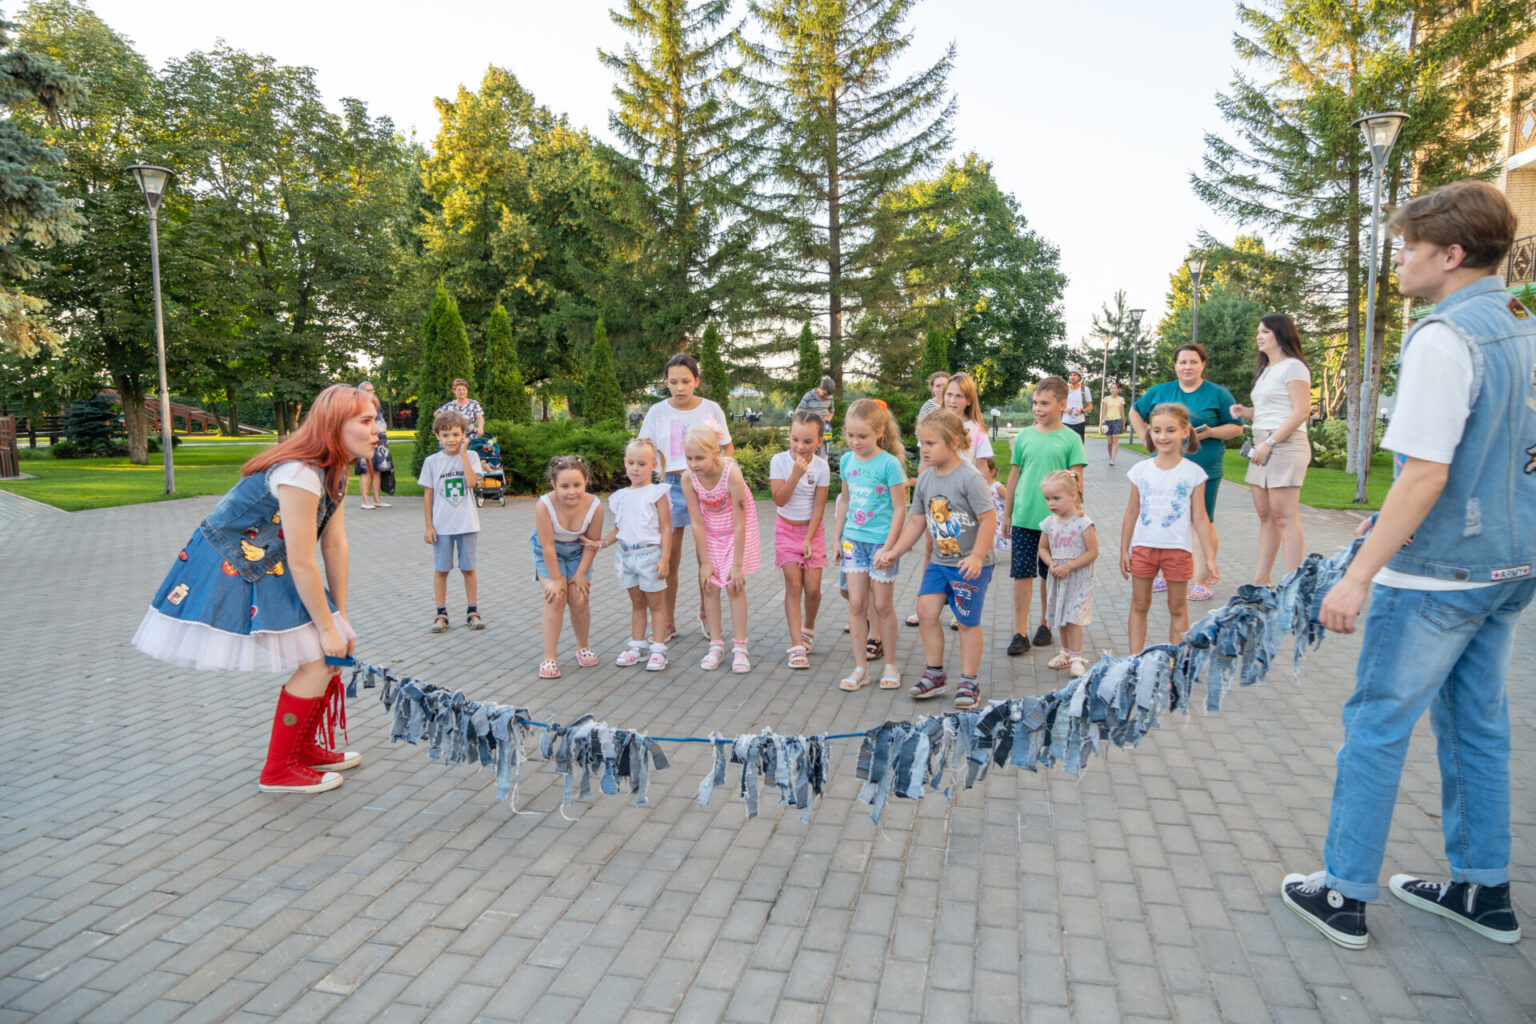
202 467
1324 488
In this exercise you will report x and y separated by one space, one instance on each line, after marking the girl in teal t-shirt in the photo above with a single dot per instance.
870 515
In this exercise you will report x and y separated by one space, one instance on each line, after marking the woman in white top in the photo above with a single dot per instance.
666 425
1282 401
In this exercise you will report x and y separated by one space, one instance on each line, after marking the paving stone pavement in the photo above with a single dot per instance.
143 877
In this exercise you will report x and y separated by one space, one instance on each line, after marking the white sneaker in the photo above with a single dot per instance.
366 504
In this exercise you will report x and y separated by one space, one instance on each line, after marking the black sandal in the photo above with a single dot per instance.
873 648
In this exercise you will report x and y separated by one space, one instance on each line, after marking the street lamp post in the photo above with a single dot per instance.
1196 265
1136 315
152 181
1380 131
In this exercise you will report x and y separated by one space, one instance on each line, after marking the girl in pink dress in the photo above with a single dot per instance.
724 524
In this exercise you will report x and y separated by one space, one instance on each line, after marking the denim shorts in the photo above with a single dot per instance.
677 503
567 557
859 557
637 564
443 550
965 596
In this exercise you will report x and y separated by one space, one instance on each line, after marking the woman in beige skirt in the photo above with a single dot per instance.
1282 401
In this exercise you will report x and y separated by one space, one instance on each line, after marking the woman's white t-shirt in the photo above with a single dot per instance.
666 426
801 503
1272 399
295 474
1167 503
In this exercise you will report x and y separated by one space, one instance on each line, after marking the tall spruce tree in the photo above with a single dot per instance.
935 353
1296 164
430 384
715 381
809 363
604 399
837 135
505 397
32 210
672 117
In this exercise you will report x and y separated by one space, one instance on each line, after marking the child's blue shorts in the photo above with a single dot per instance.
567 557
965 596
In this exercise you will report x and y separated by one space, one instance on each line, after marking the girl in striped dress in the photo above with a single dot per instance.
724 525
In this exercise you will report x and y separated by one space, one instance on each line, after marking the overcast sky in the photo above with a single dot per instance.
1092 114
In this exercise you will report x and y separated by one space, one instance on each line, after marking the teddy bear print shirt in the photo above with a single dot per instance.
953 504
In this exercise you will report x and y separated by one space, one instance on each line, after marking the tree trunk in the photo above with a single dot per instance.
280 414
1352 324
834 255
230 427
131 396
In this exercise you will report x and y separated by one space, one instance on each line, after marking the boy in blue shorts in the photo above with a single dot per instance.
453 522
1038 451
960 518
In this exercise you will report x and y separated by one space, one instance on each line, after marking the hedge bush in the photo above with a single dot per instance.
526 449
1330 442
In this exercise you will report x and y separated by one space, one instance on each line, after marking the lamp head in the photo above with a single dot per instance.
1136 315
1380 132
1196 265
152 180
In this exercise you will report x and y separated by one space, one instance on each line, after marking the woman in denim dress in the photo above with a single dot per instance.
241 598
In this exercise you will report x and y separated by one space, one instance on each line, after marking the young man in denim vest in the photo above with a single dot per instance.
1448 566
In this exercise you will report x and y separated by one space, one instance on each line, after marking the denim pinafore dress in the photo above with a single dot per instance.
228 601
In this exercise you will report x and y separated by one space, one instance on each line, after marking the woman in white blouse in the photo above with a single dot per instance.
1282 402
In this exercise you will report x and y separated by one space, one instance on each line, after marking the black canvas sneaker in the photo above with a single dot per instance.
1483 908
1043 636
1328 910
1018 645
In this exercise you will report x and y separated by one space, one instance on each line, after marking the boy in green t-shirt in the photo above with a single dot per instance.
1037 450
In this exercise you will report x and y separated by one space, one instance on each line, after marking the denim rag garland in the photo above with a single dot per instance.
1117 702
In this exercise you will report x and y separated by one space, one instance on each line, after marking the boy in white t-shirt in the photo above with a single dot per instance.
453 522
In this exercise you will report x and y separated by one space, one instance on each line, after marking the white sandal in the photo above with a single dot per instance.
890 679
855 680
740 663
807 639
713 656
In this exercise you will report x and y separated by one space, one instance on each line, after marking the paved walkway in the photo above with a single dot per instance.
143 877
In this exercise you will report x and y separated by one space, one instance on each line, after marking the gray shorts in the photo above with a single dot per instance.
443 549
636 565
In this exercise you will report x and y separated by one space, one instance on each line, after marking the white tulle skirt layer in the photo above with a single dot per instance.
197 645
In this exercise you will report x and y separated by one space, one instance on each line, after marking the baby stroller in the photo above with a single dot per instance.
493 480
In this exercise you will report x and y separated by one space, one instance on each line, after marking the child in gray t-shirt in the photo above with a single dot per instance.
961 520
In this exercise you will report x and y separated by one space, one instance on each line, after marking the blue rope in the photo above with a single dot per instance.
702 739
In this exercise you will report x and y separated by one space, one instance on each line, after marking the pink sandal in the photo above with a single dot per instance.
586 657
549 669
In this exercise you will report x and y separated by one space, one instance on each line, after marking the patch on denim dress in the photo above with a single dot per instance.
1514 572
